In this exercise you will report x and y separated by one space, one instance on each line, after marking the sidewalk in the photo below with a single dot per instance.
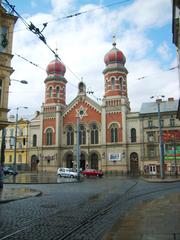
158 219
12 194
155 220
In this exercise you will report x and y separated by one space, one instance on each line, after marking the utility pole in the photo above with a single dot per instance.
160 141
158 101
2 157
78 151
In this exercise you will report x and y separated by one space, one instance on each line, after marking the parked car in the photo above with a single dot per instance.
9 171
66 172
92 172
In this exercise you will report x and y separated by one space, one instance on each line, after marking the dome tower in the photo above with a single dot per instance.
115 78
55 92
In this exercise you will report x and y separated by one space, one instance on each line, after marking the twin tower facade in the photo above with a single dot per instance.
103 129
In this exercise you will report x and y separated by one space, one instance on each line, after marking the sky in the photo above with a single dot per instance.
143 31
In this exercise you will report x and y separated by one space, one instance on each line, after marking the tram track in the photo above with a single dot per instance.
78 227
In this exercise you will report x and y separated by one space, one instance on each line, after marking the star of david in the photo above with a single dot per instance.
81 112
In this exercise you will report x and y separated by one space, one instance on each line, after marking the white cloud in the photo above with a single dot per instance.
164 51
82 43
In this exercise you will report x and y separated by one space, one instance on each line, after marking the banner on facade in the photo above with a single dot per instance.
115 156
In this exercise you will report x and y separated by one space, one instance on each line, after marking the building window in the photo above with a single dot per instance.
11 132
34 140
20 145
57 91
94 134
70 136
0 91
172 122
114 133
151 152
10 158
162 122
133 135
150 123
82 135
50 92
20 158
120 83
150 137
112 83
49 136
20 132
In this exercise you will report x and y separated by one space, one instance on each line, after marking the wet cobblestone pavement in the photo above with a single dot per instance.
107 208
155 220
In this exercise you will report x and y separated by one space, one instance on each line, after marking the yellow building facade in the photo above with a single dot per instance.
21 151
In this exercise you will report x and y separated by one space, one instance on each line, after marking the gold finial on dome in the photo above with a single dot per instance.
114 41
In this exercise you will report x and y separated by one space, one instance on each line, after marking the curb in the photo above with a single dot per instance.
9 195
159 180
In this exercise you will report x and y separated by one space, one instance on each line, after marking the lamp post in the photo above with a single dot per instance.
158 101
15 137
78 151
21 81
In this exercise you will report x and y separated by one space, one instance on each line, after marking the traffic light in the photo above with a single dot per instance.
24 141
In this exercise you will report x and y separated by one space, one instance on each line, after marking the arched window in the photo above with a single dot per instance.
94 134
20 158
50 91
112 83
49 136
34 140
133 135
120 83
57 91
114 133
82 135
70 136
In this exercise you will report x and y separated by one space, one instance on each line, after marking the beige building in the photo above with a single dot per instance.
7 21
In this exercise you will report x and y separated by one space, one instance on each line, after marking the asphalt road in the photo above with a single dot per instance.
83 210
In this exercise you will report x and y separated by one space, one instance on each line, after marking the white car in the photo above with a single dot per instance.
66 172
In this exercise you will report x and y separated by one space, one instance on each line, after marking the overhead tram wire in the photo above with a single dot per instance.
166 70
36 65
78 13
31 27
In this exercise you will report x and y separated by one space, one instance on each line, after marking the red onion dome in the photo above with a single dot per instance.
114 56
56 67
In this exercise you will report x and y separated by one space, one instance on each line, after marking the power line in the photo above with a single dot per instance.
78 13
169 69
36 65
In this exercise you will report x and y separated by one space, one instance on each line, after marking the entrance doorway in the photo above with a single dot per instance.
82 161
34 163
134 165
94 161
69 161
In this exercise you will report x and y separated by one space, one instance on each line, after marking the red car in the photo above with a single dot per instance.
92 172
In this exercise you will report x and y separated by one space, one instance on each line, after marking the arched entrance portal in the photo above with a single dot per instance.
34 162
69 161
82 161
94 161
134 165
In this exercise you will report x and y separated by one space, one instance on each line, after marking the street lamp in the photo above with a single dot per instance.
21 81
158 101
15 137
